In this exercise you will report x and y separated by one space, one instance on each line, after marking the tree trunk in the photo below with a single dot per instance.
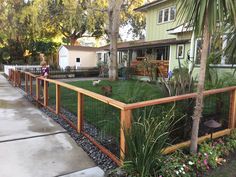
113 73
200 87
113 31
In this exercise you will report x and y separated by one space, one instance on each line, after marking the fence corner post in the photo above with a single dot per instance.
58 98
232 114
125 123
80 105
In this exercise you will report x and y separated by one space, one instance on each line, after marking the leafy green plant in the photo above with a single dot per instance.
216 81
145 141
181 82
177 164
210 155
145 145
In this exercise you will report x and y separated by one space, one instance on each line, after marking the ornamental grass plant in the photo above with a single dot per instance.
145 141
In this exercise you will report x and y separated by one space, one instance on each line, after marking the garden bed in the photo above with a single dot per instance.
214 159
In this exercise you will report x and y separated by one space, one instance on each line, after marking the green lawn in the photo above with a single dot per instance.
124 91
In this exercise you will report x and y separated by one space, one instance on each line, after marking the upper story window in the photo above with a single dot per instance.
166 15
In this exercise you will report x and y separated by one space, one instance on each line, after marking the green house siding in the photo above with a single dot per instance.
173 63
157 31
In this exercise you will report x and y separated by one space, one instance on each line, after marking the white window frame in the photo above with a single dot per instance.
222 64
163 14
183 51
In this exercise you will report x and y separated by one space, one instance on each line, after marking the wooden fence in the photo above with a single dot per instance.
125 109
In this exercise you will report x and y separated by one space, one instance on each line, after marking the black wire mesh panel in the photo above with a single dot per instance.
41 90
52 95
68 104
33 87
216 107
177 113
102 122
22 81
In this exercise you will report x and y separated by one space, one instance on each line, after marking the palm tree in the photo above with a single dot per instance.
206 17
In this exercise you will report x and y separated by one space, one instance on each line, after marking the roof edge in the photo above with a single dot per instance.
144 7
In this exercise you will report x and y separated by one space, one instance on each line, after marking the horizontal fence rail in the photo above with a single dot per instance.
103 120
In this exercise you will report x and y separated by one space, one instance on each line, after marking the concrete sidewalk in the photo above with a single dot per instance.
33 145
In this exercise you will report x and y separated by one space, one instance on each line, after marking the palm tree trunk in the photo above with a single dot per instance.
200 87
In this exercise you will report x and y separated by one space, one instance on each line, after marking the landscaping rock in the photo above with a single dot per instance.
116 173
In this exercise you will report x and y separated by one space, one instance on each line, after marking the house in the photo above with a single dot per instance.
174 41
131 53
77 56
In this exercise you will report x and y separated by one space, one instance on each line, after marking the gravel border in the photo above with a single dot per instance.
100 159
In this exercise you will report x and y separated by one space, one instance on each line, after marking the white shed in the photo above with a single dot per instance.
78 56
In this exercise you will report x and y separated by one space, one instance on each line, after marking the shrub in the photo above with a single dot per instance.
215 81
145 141
180 82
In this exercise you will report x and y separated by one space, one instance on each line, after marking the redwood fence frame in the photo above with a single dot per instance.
125 109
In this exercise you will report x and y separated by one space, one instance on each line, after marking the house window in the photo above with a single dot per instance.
140 53
160 16
120 57
166 15
198 48
180 51
172 13
163 53
77 60
106 56
215 51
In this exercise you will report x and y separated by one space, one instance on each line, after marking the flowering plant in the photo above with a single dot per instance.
209 156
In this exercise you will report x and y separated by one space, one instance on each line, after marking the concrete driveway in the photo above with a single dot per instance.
33 145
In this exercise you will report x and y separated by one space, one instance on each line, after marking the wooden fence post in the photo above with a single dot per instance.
125 123
80 105
31 85
19 75
232 112
14 78
58 98
26 83
45 93
37 89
